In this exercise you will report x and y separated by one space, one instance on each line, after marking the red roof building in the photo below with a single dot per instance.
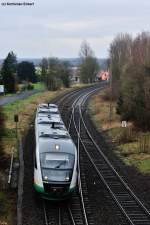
103 75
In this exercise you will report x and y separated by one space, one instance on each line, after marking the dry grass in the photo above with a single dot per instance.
100 111
7 205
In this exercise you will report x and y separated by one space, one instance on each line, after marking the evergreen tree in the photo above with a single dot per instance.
9 71
65 74
26 72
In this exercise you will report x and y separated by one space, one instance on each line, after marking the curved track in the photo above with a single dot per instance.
133 211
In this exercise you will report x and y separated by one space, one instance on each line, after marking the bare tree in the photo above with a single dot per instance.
89 65
130 64
85 50
120 53
141 49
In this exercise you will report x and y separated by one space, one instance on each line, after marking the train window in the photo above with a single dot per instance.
57 160
57 166
56 175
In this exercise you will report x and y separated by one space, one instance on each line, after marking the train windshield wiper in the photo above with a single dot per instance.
60 164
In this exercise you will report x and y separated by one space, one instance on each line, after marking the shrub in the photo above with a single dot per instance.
3 207
30 86
2 128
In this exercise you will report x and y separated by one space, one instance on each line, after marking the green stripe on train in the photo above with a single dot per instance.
41 189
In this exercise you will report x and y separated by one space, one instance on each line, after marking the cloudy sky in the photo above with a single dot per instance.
57 27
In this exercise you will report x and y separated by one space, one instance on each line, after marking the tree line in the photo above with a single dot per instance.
130 68
54 73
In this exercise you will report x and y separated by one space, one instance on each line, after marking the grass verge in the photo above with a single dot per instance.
133 146
39 86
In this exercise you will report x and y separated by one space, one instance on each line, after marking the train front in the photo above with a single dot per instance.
58 167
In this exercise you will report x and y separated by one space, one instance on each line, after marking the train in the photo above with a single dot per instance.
55 157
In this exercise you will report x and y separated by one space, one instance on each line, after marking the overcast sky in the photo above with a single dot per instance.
57 27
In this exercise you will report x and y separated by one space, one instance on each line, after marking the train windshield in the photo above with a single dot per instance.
57 166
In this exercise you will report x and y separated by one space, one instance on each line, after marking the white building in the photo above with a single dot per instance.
74 75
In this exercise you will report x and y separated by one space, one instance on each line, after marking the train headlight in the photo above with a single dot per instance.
67 178
45 177
57 147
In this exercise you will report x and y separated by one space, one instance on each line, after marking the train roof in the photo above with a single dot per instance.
47 131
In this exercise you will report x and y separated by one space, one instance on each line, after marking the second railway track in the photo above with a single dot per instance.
132 209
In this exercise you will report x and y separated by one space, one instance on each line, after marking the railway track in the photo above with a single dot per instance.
74 128
133 211
67 213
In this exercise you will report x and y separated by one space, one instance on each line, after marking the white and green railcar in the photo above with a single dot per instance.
55 167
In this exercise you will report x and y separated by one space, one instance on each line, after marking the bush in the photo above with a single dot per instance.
2 121
2 128
3 207
30 86
27 86
126 135
144 143
23 88
107 95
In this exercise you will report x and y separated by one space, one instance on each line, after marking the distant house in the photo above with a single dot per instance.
38 70
74 77
103 75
